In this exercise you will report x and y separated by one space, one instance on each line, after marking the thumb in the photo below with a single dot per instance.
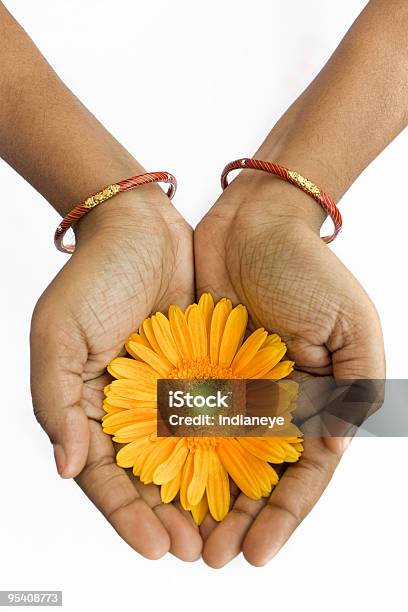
357 355
58 356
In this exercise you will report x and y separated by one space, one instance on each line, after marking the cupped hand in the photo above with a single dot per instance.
260 245
133 257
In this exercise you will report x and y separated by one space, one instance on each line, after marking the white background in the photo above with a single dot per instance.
188 86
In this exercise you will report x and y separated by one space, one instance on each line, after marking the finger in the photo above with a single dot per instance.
57 361
93 396
210 270
357 353
185 513
209 524
185 540
111 490
313 394
297 492
207 527
225 541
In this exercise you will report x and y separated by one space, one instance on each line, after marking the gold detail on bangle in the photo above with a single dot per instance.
304 183
101 196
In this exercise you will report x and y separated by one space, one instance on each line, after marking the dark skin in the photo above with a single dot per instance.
101 295
266 252
258 245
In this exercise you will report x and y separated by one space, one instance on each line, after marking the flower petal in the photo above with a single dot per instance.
264 360
291 454
109 409
164 337
139 351
281 370
168 469
288 430
187 310
248 350
198 332
200 510
265 449
142 456
139 337
144 427
206 305
233 335
218 321
271 339
198 482
123 367
169 490
186 476
147 328
111 423
126 457
218 491
160 453
288 392
241 471
252 475
181 332
133 390
271 477
113 402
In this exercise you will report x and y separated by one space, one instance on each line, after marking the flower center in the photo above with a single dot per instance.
201 369
194 443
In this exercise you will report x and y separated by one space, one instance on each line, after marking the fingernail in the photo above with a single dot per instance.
59 456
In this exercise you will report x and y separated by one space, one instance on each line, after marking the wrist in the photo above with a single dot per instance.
315 156
286 149
269 199
124 213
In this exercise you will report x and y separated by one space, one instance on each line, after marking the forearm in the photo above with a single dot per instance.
355 106
46 134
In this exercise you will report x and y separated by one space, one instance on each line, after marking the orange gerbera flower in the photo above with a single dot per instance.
204 342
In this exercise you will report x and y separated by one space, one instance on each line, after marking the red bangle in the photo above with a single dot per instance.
105 194
296 179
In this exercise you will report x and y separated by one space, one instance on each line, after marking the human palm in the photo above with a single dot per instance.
120 273
294 285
